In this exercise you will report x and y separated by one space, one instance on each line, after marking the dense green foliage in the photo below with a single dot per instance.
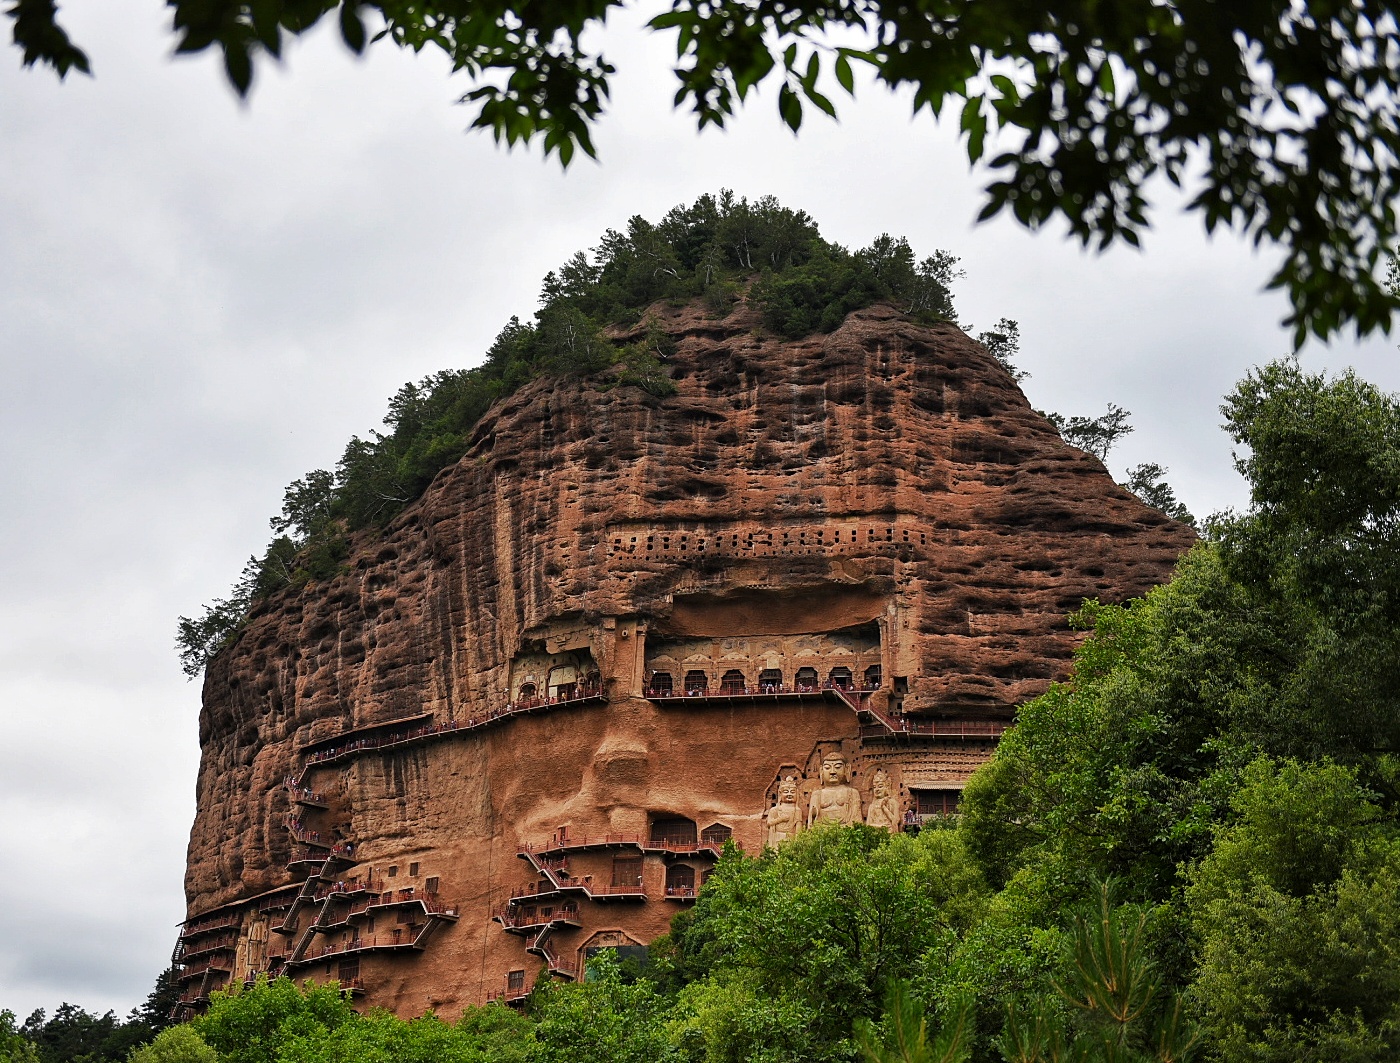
276 1022
719 249
1225 749
810 938
14 1046
179 1044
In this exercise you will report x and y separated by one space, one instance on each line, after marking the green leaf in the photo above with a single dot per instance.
790 107
976 135
1106 83
266 25
352 30
844 77
969 113
822 103
238 64
670 19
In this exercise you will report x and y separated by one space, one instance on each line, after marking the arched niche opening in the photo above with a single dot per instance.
536 675
716 834
661 683
696 682
841 677
732 682
564 681
931 803
680 880
668 828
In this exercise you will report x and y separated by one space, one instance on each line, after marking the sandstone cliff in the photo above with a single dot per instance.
883 496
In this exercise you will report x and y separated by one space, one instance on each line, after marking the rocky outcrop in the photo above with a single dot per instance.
880 500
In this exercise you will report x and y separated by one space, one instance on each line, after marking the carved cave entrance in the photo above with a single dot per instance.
936 802
716 834
537 675
680 880
676 830
627 871
848 658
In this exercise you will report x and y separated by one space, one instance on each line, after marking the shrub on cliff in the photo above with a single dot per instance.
280 1022
179 1044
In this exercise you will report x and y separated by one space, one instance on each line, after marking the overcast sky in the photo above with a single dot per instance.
201 300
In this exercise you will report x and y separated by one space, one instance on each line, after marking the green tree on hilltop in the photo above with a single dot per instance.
14 1046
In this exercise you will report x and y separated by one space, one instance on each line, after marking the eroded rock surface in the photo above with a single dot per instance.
875 508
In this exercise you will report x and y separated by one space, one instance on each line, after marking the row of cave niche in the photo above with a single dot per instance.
770 680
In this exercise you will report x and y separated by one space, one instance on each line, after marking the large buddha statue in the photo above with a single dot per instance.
836 800
784 819
884 806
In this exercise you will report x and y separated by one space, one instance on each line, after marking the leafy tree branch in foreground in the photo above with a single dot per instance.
1282 117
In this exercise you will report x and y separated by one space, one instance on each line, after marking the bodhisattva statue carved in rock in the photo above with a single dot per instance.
836 800
784 819
884 806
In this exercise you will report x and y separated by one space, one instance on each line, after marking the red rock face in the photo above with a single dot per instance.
876 508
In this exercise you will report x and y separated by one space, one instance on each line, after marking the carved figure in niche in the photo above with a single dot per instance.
884 806
836 800
784 819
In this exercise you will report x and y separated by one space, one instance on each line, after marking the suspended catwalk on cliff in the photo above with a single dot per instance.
812 585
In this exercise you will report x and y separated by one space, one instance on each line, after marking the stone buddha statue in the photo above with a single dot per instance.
884 806
836 800
784 819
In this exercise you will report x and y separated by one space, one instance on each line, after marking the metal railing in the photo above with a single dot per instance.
200 927
435 730
759 691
